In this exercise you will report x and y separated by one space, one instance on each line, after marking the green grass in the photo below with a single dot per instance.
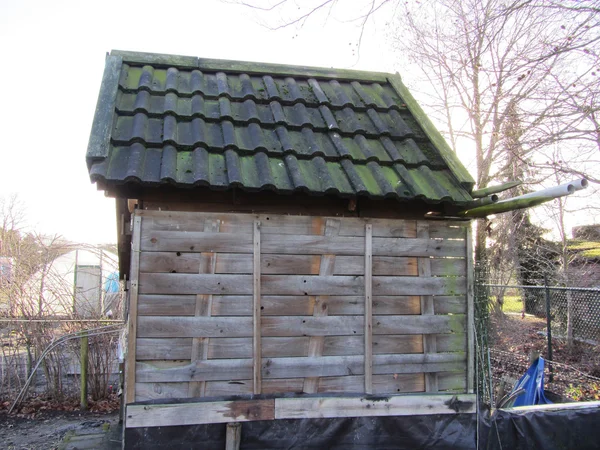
512 304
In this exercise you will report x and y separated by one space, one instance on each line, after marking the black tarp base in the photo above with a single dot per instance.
505 429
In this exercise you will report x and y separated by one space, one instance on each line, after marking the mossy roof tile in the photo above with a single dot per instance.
188 121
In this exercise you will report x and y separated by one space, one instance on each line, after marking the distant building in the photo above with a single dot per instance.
79 283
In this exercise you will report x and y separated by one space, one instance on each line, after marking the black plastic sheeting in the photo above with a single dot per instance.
563 429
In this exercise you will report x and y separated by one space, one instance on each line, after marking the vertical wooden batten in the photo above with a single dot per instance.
256 336
369 308
321 309
132 319
427 309
203 308
470 313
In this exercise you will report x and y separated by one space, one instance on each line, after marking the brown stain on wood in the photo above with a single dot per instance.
250 410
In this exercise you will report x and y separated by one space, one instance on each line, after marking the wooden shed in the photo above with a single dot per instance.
282 232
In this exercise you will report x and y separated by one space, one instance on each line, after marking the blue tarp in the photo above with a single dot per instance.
533 384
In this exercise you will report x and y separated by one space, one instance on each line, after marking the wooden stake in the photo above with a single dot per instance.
233 436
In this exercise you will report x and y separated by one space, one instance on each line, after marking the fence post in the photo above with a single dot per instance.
549 327
84 371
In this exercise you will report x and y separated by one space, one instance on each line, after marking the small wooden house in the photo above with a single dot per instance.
279 229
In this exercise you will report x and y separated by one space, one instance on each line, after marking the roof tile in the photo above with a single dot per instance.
315 133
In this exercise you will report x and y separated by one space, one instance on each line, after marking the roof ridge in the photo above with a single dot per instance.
234 66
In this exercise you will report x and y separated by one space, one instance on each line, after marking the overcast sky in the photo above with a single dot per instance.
53 59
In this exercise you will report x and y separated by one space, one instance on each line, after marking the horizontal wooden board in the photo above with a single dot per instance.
196 413
454 342
294 244
445 304
306 408
236 348
270 223
382 385
241 263
282 305
209 284
452 381
166 305
323 366
214 327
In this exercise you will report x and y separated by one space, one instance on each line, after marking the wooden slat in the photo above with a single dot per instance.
166 305
203 307
444 304
256 319
368 314
452 381
427 308
161 241
305 408
198 413
165 283
470 314
455 342
278 224
320 309
241 263
323 366
132 321
272 347
153 391
153 326
160 348
293 305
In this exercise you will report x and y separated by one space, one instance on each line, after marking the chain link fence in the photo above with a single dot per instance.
562 324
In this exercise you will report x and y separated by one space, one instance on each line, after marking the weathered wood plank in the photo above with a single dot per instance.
158 348
304 408
290 305
162 241
368 331
155 327
256 319
455 342
444 304
198 413
165 283
132 320
294 408
203 307
153 391
241 263
470 315
278 224
452 381
326 267
322 366
166 305
273 347
427 308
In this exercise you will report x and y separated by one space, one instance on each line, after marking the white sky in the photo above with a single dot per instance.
52 64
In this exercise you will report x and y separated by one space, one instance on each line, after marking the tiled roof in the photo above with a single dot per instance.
190 122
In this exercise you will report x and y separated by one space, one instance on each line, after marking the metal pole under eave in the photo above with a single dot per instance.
549 327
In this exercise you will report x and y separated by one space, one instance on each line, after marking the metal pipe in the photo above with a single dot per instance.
483 201
527 200
554 192
479 193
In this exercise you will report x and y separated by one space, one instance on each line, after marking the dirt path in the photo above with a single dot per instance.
47 430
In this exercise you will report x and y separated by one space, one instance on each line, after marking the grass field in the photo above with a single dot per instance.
512 304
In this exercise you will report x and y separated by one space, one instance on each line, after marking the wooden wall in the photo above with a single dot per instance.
227 304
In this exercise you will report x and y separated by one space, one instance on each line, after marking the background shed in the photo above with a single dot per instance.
285 241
